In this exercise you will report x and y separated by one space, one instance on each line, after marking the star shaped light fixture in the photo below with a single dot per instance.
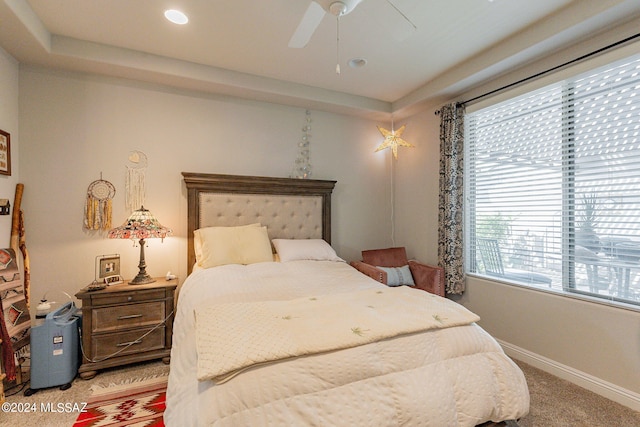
393 140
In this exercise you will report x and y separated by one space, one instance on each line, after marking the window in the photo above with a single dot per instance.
553 186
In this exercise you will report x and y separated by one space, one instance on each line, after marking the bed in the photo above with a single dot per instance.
299 337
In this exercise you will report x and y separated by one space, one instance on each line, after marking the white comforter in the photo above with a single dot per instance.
456 376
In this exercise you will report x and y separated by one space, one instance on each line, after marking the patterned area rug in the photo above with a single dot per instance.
139 403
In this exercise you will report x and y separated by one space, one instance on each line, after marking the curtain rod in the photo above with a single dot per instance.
535 76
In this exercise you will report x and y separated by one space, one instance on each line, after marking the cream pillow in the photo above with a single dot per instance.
305 249
232 245
197 240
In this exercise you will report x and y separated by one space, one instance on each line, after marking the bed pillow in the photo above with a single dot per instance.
197 241
233 245
305 249
397 276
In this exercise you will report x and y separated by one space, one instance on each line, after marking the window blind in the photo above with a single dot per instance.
553 182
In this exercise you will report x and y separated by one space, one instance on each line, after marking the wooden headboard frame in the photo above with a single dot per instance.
200 185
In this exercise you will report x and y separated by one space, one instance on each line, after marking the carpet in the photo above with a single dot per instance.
139 403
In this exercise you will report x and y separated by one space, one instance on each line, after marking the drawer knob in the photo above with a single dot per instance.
129 298
130 316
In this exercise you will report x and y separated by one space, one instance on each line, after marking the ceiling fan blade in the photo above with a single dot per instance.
393 19
307 26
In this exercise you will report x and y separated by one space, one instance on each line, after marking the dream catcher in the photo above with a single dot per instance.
136 170
97 209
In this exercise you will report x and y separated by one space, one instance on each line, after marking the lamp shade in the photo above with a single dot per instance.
141 224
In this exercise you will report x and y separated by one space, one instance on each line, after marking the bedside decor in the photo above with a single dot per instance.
5 153
97 209
141 224
302 168
107 266
393 140
135 182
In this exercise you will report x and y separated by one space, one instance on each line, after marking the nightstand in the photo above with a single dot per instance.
126 324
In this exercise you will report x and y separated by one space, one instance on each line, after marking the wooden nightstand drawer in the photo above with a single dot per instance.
126 297
121 314
127 316
107 344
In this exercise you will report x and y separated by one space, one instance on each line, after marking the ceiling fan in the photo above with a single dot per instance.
318 9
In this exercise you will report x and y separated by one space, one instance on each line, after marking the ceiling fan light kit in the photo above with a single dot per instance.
338 8
314 14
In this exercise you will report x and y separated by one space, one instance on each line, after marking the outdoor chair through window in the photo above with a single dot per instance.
491 257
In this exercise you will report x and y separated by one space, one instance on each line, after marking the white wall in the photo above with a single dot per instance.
75 127
591 338
9 123
417 187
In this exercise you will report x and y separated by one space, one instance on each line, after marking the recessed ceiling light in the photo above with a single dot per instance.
176 16
357 62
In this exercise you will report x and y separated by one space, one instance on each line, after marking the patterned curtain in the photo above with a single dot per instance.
450 205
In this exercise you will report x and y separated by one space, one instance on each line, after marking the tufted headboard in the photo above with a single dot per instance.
289 208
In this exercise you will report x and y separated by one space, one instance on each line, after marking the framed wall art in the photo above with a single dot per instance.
5 153
107 266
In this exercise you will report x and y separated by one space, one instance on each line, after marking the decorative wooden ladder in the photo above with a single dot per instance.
2 376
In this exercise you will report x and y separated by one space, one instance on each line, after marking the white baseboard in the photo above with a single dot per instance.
606 389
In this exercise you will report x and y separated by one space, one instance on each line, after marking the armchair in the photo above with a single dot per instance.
425 277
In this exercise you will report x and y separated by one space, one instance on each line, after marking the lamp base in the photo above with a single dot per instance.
142 279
